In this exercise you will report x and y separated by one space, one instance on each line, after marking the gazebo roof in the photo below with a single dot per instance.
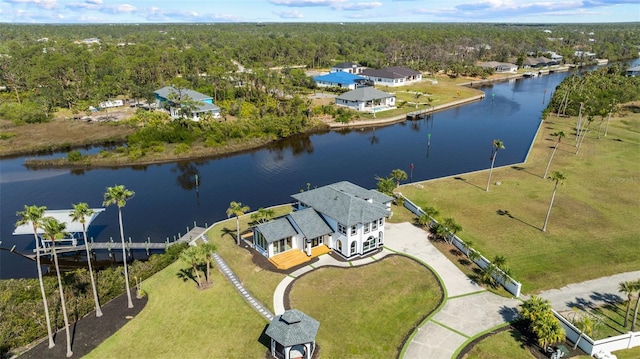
293 327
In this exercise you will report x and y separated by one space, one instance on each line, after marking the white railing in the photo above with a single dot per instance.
512 286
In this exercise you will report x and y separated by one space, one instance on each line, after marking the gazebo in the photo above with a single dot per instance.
293 335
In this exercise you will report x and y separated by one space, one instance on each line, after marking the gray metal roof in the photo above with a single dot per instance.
345 65
364 94
346 202
310 223
194 95
277 229
293 327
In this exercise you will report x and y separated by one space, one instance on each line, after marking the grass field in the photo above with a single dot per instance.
505 344
592 231
365 312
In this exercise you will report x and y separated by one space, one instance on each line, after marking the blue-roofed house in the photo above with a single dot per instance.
339 79
342 217
168 98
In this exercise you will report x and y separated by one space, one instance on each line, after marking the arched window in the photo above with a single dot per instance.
339 246
354 246
369 244
380 241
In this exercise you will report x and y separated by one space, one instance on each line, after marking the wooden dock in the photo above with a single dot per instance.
191 236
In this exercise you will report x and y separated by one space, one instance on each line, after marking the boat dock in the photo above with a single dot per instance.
192 235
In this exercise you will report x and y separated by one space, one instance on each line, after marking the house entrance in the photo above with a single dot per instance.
317 241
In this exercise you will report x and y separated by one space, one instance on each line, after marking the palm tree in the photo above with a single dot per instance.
548 330
263 215
428 215
557 177
193 255
55 230
33 215
208 249
119 195
496 146
452 227
533 308
585 325
386 185
628 289
398 175
636 286
237 209
560 135
79 214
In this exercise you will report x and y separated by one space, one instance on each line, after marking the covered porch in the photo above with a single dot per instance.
296 257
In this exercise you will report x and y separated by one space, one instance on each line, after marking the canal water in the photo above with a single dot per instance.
167 199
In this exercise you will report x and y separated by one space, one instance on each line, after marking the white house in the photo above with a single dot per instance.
392 76
348 67
633 71
344 217
168 97
367 99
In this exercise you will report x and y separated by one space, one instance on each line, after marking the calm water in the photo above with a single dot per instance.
166 199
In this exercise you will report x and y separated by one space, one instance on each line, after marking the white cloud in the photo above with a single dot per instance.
358 6
306 3
45 4
292 14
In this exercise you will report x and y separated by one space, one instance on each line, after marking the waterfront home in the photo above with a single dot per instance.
348 67
538 62
341 217
339 79
392 76
500 67
633 71
367 99
185 103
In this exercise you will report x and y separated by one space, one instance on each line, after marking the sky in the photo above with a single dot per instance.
208 11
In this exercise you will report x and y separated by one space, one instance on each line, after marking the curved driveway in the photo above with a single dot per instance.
467 310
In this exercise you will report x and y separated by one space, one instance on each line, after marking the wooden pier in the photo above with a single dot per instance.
191 236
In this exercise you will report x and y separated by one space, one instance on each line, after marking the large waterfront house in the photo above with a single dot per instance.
185 103
499 67
537 62
342 217
392 76
367 99
339 79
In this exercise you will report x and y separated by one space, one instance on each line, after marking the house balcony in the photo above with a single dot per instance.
295 257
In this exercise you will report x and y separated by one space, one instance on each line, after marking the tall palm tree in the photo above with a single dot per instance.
193 255
79 214
54 231
452 226
628 289
208 249
558 177
429 214
237 209
586 325
560 135
636 286
497 145
119 195
33 215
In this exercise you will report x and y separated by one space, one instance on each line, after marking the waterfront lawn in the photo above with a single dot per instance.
592 229
366 312
261 283
179 320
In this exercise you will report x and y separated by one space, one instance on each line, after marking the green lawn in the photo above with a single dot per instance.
592 231
179 321
505 344
365 312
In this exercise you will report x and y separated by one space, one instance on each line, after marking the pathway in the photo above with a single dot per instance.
591 293
259 307
467 312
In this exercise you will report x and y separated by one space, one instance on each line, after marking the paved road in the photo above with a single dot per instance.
591 293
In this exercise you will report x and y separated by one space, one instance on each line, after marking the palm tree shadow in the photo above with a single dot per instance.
187 274
509 314
503 212
522 169
229 232
464 180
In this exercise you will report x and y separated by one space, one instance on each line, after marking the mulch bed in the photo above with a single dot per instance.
88 332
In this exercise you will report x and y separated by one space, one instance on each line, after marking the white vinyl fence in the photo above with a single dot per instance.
512 286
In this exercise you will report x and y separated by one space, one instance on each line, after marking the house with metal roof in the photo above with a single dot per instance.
500 67
342 217
367 99
348 67
392 76
185 103
339 79
633 71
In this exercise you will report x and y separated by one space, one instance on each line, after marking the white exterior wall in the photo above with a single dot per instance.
333 84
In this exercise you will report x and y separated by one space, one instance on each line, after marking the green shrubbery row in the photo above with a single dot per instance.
21 308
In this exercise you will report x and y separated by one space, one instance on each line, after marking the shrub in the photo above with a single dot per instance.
181 148
74 156
7 135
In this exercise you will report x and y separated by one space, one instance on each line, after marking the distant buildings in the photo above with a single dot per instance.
185 103
367 99
392 76
633 71
500 67
339 79
348 67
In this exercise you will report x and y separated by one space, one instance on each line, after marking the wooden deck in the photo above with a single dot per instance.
295 257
